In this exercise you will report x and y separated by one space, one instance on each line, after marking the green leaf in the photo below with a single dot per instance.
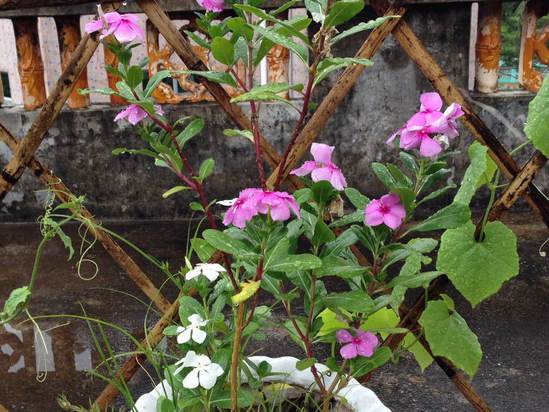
266 92
265 16
243 133
316 8
363 365
217 77
174 190
223 50
342 11
287 42
449 217
356 198
478 269
239 26
384 175
421 355
449 336
322 233
409 162
203 249
278 252
537 122
134 77
323 192
206 169
189 306
349 219
225 243
354 301
125 91
221 398
437 193
190 131
372 24
154 81
331 64
164 404
15 303
473 174
67 242
306 363
330 323
384 318
294 263
337 266
198 40
170 330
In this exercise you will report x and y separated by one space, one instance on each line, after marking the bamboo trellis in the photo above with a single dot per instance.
520 184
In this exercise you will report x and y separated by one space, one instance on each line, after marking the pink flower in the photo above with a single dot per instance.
134 113
251 202
387 209
212 5
124 27
278 204
362 344
416 133
243 209
322 168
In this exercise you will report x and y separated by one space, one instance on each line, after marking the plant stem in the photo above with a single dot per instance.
479 232
236 356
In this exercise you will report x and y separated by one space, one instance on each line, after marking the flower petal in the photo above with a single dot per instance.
184 336
392 221
122 114
322 153
305 168
93 26
191 274
429 147
430 102
374 218
390 199
280 212
344 336
210 273
207 379
191 380
321 173
199 336
338 180
348 351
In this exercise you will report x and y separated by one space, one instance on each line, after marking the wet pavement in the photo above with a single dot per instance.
513 327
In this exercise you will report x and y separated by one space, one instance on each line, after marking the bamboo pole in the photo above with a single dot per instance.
65 85
63 193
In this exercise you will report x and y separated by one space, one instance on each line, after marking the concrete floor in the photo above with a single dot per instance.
512 326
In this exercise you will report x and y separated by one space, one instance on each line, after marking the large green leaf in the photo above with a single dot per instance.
537 123
449 336
277 253
316 8
449 217
478 269
217 77
473 174
337 266
331 64
342 11
190 131
223 242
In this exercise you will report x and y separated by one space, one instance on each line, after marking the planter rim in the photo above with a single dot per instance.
356 396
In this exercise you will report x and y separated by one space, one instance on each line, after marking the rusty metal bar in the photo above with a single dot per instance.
29 62
46 176
488 46
68 33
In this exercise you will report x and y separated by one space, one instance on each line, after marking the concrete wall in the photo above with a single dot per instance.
78 146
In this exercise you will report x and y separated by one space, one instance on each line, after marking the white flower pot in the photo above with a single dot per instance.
357 397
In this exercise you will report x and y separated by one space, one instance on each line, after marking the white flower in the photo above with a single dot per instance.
193 331
205 372
210 270
228 202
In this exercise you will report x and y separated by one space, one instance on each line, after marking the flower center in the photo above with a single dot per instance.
356 340
384 209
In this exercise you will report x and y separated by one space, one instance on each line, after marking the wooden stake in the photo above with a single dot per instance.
65 85
63 193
